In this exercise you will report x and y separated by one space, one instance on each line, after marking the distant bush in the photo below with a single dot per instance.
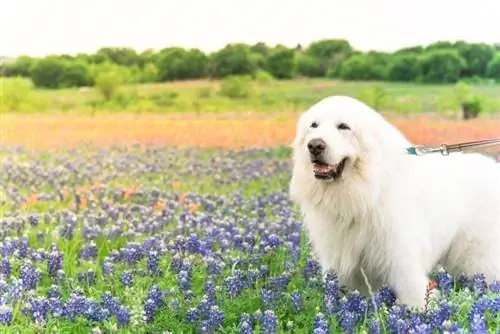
329 55
404 67
233 59
375 97
149 73
493 68
441 66
48 72
309 66
471 108
21 67
262 76
179 64
362 67
76 74
16 94
236 87
281 63
108 82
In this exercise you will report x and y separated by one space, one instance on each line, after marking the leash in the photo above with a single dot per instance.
445 149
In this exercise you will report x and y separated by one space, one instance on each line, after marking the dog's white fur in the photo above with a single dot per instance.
396 216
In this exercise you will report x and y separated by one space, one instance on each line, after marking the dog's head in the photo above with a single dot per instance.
338 136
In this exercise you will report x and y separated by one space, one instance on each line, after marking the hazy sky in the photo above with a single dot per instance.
39 27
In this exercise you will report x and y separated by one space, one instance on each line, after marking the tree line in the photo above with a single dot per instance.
440 62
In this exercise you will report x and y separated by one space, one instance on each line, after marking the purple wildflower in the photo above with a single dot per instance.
122 316
126 279
88 252
148 311
296 301
55 262
5 267
30 276
5 315
245 324
153 262
269 322
320 324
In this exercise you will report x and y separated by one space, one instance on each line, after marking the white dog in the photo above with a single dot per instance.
369 206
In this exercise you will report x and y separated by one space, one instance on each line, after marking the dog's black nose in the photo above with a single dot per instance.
316 146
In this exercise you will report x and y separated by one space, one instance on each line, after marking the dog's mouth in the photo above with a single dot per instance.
325 171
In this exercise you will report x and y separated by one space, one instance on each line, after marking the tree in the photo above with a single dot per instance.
330 53
493 67
369 66
176 63
233 59
48 72
120 56
281 63
260 48
76 74
309 66
21 67
441 66
404 67
477 56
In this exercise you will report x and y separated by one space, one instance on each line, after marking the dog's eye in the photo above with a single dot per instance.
314 125
343 126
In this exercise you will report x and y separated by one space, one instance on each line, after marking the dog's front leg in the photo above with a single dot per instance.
409 281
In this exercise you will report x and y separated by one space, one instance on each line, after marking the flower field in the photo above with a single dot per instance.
184 225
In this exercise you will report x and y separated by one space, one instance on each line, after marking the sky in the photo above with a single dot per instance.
41 27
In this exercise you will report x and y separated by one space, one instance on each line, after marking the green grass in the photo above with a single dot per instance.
263 96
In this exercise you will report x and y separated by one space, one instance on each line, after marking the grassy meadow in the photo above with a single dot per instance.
164 209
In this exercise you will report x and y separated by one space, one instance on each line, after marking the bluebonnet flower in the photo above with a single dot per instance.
320 324
29 275
479 284
126 279
87 277
495 286
109 302
33 220
107 268
55 262
75 306
478 324
192 315
54 292
5 267
88 252
445 282
268 298
174 305
443 313
234 284
5 315
153 262
156 296
312 268
296 301
215 317
269 322
245 324
184 280
374 327
149 310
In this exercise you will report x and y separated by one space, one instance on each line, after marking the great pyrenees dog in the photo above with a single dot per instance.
374 213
